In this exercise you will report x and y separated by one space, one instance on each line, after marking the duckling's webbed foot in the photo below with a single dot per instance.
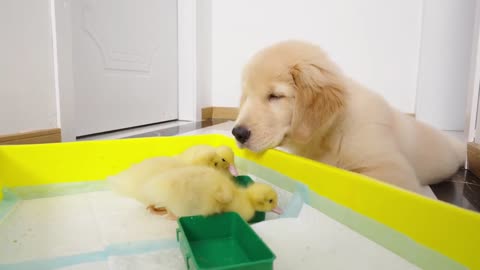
157 210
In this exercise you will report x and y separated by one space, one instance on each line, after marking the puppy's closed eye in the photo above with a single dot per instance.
273 97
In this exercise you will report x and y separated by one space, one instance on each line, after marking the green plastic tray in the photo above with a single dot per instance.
245 181
222 242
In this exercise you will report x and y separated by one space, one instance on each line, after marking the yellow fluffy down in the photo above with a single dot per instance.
221 157
128 182
187 190
191 190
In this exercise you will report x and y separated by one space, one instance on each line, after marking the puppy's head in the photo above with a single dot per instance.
289 90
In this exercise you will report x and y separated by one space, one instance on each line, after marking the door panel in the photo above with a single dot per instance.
124 63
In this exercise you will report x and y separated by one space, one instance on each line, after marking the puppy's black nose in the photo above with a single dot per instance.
241 134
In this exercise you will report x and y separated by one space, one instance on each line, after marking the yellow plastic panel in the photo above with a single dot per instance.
450 230
81 161
447 229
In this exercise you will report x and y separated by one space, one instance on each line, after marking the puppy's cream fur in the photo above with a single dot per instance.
294 96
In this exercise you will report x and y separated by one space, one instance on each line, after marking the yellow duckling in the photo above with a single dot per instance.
189 190
201 190
221 157
256 197
129 181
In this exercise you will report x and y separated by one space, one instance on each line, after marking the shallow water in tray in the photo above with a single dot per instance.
218 252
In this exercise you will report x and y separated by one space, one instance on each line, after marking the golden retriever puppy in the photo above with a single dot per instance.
294 96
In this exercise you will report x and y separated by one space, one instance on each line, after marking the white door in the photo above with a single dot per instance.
124 63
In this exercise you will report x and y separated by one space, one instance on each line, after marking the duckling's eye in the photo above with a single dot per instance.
216 163
223 160
270 201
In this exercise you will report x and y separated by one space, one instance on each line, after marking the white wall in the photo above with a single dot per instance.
374 41
445 62
391 46
187 67
204 54
27 92
415 53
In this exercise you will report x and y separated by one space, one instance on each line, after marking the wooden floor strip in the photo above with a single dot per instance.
38 136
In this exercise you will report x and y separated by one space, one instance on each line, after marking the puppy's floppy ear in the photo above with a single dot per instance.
320 95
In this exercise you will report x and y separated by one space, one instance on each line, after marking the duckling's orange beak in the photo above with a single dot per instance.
233 170
277 210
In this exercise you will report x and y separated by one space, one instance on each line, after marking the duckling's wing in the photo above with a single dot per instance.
128 181
204 156
224 192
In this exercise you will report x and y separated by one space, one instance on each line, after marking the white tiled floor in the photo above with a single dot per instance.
223 128
459 134
133 131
